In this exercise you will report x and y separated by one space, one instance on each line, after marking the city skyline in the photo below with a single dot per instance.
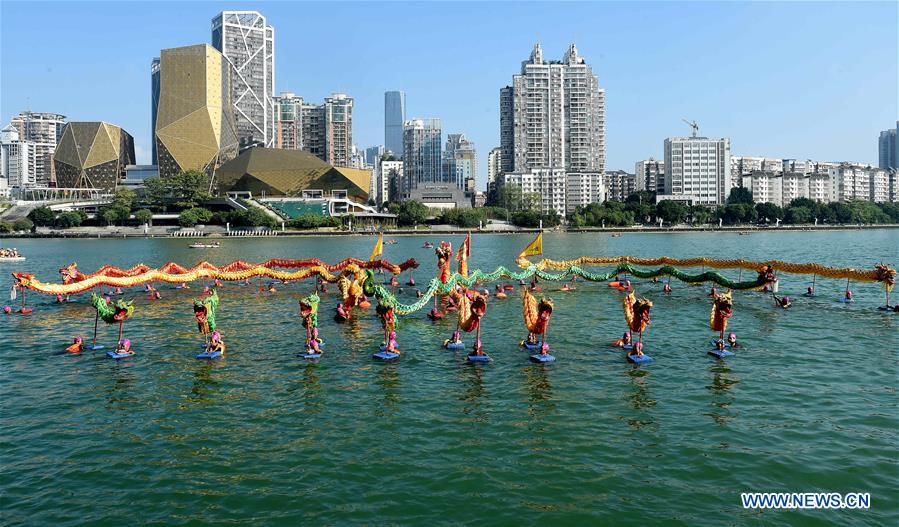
645 103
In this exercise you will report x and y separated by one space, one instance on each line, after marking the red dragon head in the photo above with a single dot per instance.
69 273
545 309
885 274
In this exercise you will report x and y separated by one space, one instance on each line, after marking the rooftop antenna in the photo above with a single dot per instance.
693 125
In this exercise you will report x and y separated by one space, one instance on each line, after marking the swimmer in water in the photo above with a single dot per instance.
454 339
667 288
848 296
783 302
124 348
77 346
732 340
636 351
810 291
624 340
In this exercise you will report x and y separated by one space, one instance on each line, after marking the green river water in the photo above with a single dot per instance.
264 438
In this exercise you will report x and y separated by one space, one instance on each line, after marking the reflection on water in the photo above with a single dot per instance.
540 401
472 375
388 381
722 381
638 396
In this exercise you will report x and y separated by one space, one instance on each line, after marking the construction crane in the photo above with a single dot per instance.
693 125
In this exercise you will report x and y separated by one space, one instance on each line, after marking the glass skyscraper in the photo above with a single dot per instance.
394 117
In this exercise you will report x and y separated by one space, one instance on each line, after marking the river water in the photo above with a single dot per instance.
263 437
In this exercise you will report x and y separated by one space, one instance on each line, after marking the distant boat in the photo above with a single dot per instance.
427 245
390 242
199 245
12 258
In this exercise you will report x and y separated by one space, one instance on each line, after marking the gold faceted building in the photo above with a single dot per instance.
195 126
92 155
276 172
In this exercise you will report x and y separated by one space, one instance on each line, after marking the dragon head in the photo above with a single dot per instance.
23 279
69 273
766 275
885 274
444 253
123 310
545 309
641 310
478 305
724 304
200 311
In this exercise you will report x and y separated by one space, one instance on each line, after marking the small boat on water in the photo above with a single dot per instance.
390 242
11 255
427 245
199 245
616 235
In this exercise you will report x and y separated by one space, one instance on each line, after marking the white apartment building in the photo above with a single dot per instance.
744 165
650 175
820 187
582 189
549 183
698 167
619 185
43 130
18 159
390 177
494 168
289 121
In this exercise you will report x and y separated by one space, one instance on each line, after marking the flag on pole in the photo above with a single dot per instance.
534 248
379 248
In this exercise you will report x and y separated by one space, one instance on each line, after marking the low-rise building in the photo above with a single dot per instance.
650 175
619 185
548 183
583 188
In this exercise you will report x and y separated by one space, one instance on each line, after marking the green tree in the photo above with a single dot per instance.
42 216
701 215
842 213
110 215
671 211
186 189
5 227
22 224
68 219
768 212
194 216
739 195
143 216
254 217
124 198
409 212
798 215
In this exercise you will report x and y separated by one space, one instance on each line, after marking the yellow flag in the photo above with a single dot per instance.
534 248
379 246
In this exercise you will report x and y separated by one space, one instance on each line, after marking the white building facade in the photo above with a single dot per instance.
650 175
698 167
18 159
43 130
582 189
548 183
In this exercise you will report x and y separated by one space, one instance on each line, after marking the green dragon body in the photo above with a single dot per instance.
119 311
204 310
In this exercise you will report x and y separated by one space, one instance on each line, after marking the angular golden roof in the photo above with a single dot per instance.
289 173
92 154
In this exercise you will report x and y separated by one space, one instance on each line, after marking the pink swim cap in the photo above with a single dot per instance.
627 334
216 335
78 340
393 334
731 335
7 309
126 343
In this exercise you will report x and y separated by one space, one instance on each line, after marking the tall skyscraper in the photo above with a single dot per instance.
394 117
154 105
698 167
44 129
888 148
553 117
338 109
421 153
289 127
373 155
248 44
195 126
460 162
557 115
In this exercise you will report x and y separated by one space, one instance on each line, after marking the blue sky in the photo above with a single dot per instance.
815 80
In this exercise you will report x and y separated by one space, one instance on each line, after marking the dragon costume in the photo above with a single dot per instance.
537 314
444 253
117 312
472 306
463 255
204 311
350 286
387 315
636 313
309 311
722 309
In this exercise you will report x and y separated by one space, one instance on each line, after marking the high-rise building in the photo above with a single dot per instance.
698 167
390 178
650 175
557 114
93 155
583 188
154 105
421 153
494 169
548 184
394 117
44 130
373 155
195 126
248 45
313 129
460 162
338 121
619 184
888 148
553 116
17 159
289 127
